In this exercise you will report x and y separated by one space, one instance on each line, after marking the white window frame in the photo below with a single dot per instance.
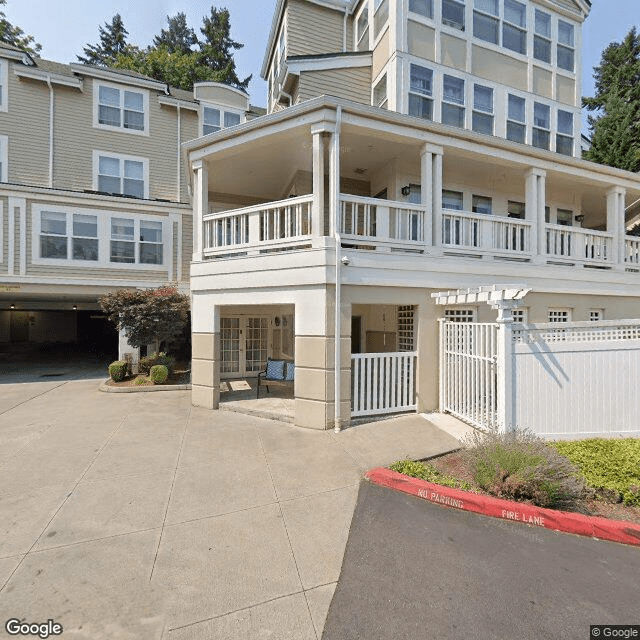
450 24
4 159
422 94
122 88
380 19
422 15
596 315
137 223
121 157
571 48
104 238
548 39
361 41
452 103
385 103
516 27
535 126
223 110
555 313
4 85
480 110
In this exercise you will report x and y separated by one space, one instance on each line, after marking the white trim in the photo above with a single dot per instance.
103 219
170 101
4 85
22 205
107 127
1 231
121 157
4 158
45 76
352 61
119 78
223 110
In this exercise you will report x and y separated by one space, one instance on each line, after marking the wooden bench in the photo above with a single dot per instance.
278 372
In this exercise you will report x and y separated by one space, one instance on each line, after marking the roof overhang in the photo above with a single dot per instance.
114 76
19 56
45 76
170 101
351 60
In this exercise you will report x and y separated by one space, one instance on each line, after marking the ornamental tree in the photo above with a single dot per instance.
149 316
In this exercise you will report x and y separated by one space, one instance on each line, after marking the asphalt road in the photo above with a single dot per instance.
415 570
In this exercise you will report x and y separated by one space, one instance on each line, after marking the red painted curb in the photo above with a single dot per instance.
591 526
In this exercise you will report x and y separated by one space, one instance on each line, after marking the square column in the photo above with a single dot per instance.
205 347
317 217
535 201
200 205
616 226
431 192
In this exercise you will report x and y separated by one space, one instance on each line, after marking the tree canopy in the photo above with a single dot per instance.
615 123
178 56
15 36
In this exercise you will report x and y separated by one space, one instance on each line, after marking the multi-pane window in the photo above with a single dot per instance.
486 25
362 30
453 101
542 37
150 242
422 7
122 176
64 236
121 108
515 210
541 125
123 240
520 315
514 26
380 93
482 119
230 345
559 315
564 137
460 315
136 241
452 200
406 337
565 49
516 127
380 16
420 92
215 119
453 13
595 315
481 204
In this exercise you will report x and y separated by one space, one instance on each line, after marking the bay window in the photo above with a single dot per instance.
541 125
453 101
514 26
565 48
482 117
542 37
516 127
564 137
420 92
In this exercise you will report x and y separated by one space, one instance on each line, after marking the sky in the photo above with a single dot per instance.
65 26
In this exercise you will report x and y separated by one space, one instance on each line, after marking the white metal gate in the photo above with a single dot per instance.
468 372
383 383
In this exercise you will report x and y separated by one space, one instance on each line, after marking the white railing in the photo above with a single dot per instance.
632 250
468 374
382 383
483 232
577 331
383 223
265 226
579 245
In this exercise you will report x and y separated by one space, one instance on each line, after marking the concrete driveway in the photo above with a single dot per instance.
137 516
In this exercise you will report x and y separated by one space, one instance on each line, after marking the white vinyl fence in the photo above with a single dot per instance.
382 383
559 380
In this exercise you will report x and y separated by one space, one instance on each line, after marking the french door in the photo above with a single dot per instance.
244 343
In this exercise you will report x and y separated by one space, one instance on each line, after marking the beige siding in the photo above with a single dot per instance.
187 245
380 54
499 68
5 235
351 84
313 29
421 40
565 90
454 52
542 82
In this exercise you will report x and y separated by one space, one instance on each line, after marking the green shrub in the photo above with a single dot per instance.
520 466
118 370
140 380
158 374
611 467
145 364
427 472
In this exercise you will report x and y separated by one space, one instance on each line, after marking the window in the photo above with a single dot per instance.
516 129
460 315
565 46
595 315
452 200
122 175
215 119
564 137
362 30
136 241
380 16
421 86
453 14
481 204
542 37
565 217
520 315
57 243
559 315
541 125
422 7
4 155
482 120
515 210
452 96
4 95
486 25
125 109
406 341
380 93
514 26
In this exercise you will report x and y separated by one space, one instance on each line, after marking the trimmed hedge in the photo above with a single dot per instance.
118 370
158 374
146 363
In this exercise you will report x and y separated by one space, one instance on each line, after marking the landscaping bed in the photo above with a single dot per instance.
593 477
157 369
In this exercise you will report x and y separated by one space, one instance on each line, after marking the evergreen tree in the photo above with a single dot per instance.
178 37
15 36
113 42
615 126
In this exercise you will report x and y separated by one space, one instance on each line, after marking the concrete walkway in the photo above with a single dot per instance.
135 516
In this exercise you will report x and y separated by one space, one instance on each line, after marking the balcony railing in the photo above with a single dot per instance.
574 244
632 251
258 229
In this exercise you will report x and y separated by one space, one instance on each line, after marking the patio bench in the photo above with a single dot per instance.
278 372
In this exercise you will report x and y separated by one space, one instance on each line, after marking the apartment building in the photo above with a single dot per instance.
94 195
410 147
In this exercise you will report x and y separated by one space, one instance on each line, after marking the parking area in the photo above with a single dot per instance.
140 516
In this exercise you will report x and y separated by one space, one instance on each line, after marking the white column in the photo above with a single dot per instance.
334 181
616 226
535 200
426 191
436 193
317 218
200 205
504 389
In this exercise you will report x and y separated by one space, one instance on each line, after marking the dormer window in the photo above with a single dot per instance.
121 109
214 119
